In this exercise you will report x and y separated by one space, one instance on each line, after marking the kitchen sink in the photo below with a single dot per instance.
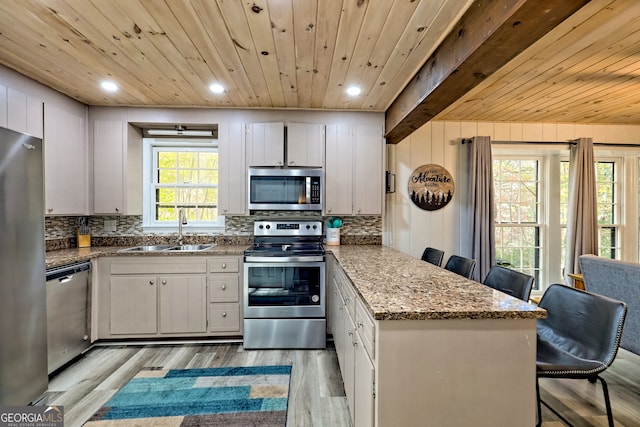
192 248
161 248
147 248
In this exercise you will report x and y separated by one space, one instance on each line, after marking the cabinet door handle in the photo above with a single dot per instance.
358 210
224 314
164 282
329 210
360 325
50 210
117 210
224 265
151 282
291 162
224 287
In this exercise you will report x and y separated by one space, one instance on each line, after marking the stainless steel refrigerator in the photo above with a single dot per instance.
23 329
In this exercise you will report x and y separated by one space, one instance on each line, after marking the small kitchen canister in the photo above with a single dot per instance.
333 236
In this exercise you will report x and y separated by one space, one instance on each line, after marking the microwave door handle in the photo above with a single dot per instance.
308 185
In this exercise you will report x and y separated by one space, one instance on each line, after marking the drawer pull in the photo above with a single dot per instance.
224 314
224 265
151 282
224 287
164 282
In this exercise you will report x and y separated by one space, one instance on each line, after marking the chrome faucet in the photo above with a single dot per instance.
182 220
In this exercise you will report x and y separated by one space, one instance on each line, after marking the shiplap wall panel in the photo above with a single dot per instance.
403 225
549 132
502 131
421 148
565 132
451 228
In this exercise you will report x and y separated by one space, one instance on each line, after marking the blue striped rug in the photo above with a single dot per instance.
238 396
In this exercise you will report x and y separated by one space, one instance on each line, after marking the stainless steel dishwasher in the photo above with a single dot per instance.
68 313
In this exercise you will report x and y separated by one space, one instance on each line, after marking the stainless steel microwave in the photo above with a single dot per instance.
285 189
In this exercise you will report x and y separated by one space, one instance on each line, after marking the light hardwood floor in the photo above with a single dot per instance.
317 394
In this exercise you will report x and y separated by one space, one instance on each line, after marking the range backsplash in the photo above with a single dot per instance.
60 231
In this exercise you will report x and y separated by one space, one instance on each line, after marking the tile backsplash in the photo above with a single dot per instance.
60 231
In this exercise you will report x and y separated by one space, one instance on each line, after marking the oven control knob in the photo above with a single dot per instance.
315 226
261 226
315 298
308 226
268 226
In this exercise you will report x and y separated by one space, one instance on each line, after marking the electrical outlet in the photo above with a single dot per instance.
110 225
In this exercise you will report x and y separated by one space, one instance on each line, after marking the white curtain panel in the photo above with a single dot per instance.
582 220
481 206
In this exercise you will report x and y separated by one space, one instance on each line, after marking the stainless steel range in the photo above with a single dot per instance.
284 286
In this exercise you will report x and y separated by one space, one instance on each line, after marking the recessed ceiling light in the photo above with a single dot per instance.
216 88
109 86
353 90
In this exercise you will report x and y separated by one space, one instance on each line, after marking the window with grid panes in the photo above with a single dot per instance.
607 190
184 177
518 212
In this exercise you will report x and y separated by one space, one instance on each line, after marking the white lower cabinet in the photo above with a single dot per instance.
225 284
364 384
354 337
174 296
133 305
183 304
138 303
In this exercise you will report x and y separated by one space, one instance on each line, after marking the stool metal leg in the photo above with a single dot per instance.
539 423
607 402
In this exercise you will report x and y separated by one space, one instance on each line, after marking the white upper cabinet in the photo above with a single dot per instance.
266 144
368 173
232 180
305 145
23 113
117 163
353 170
108 167
338 171
66 161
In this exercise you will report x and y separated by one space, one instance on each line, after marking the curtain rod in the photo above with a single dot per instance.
599 144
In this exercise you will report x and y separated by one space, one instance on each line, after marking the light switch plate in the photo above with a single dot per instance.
110 225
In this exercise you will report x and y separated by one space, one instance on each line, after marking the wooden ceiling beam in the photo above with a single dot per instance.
489 34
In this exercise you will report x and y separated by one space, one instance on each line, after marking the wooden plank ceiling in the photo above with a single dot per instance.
586 70
303 54
266 53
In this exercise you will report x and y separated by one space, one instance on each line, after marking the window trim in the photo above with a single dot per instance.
148 186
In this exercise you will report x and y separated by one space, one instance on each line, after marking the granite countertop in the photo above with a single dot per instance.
62 257
393 285
397 286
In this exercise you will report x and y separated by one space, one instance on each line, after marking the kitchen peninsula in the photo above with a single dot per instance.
440 349
417 345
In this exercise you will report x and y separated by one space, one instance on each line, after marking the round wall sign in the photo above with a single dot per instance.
431 187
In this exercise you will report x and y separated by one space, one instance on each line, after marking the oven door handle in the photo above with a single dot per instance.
284 259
